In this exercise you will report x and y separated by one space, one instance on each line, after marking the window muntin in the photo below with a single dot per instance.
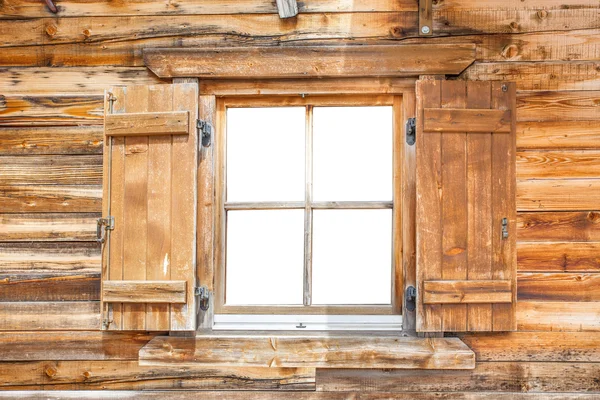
364 132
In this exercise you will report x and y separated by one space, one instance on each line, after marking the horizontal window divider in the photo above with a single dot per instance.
297 205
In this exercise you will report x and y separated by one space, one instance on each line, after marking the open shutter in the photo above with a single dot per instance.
149 208
466 211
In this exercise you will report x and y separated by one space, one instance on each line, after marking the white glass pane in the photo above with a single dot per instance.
265 257
352 150
352 257
265 154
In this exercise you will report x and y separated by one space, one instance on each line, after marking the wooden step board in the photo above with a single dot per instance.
313 351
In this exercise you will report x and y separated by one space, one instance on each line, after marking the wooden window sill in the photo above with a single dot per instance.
316 350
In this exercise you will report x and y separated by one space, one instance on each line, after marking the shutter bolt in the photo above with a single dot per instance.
504 88
425 30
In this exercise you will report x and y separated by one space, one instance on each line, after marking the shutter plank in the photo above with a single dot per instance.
454 206
458 292
146 292
467 120
148 123
479 200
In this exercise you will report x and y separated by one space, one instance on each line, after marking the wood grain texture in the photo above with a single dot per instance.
50 198
558 135
558 316
147 123
467 120
36 110
343 351
67 258
558 257
128 375
513 4
562 286
558 194
570 226
51 140
62 315
59 346
144 292
48 227
309 61
473 291
557 164
49 170
558 106
38 287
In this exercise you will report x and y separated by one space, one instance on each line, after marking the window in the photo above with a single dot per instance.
307 211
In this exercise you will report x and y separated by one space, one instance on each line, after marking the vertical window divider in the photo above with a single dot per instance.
308 210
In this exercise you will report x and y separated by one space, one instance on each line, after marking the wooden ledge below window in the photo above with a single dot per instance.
335 350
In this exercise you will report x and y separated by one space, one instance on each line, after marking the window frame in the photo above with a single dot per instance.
396 100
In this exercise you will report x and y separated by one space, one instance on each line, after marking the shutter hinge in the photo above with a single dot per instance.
202 293
411 131
504 228
205 131
103 225
411 298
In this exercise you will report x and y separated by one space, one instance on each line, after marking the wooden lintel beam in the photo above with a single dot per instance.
287 8
310 61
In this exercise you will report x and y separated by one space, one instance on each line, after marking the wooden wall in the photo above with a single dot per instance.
53 69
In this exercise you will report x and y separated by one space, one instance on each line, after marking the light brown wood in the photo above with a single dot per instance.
466 120
425 17
558 106
50 198
49 110
561 286
558 257
43 316
50 169
558 135
558 194
342 351
472 291
307 61
569 164
558 316
51 140
147 123
51 226
287 8
574 226
144 292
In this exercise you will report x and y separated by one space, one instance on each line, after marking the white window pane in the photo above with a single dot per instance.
352 150
352 257
265 257
265 154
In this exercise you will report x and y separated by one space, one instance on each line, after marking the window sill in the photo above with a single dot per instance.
308 350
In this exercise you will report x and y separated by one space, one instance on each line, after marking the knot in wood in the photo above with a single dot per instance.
50 370
51 30
541 14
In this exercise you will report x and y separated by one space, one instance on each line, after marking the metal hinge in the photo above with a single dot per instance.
203 299
411 131
103 225
411 298
205 129
504 228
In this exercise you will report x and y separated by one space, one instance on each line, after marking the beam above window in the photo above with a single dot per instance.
310 61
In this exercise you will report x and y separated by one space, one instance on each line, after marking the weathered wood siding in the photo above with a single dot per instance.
54 68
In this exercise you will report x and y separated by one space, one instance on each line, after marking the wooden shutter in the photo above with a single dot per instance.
466 269
150 164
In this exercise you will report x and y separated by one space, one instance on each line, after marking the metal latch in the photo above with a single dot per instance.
411 298
205 128
202 293
504 228
103 225
411 131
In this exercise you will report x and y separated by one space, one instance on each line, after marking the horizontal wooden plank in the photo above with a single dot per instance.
77 80
59 346
275 395
473 291
466 120
331 351
535 346
51 198
333 86
61 315
147 124
558 194
558 135
128 375
558 316
49 287
51 140
309 61
540 76
579 226
562 286
144 292
50 110
557 164
51 170
486 377
558 257
19 9
470 5
66 258
558 106
48 227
